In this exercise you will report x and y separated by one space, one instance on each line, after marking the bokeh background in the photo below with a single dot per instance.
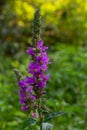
64 30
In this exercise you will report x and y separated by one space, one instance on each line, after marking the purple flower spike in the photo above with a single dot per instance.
33 86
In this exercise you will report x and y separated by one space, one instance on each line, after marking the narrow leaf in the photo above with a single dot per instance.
28 122
50 116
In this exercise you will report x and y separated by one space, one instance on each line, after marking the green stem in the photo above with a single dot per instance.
40 118
41 126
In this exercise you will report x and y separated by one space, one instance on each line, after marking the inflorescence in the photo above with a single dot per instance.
32 88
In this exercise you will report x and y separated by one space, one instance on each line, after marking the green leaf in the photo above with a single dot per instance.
28 122
50 116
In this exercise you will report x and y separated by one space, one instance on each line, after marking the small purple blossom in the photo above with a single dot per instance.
21 83
24 108
32 97
35 115
40 44
29 80
30 51
34 67
22 101
29 89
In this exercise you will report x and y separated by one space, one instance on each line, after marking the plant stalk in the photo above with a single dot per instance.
41 127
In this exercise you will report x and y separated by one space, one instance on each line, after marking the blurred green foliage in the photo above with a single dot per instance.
66 89
63 21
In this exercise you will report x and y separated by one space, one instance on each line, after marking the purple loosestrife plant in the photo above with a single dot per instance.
32 88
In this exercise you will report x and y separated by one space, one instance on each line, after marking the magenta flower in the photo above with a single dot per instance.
29 80
24 108
32 87
30 51
34 115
